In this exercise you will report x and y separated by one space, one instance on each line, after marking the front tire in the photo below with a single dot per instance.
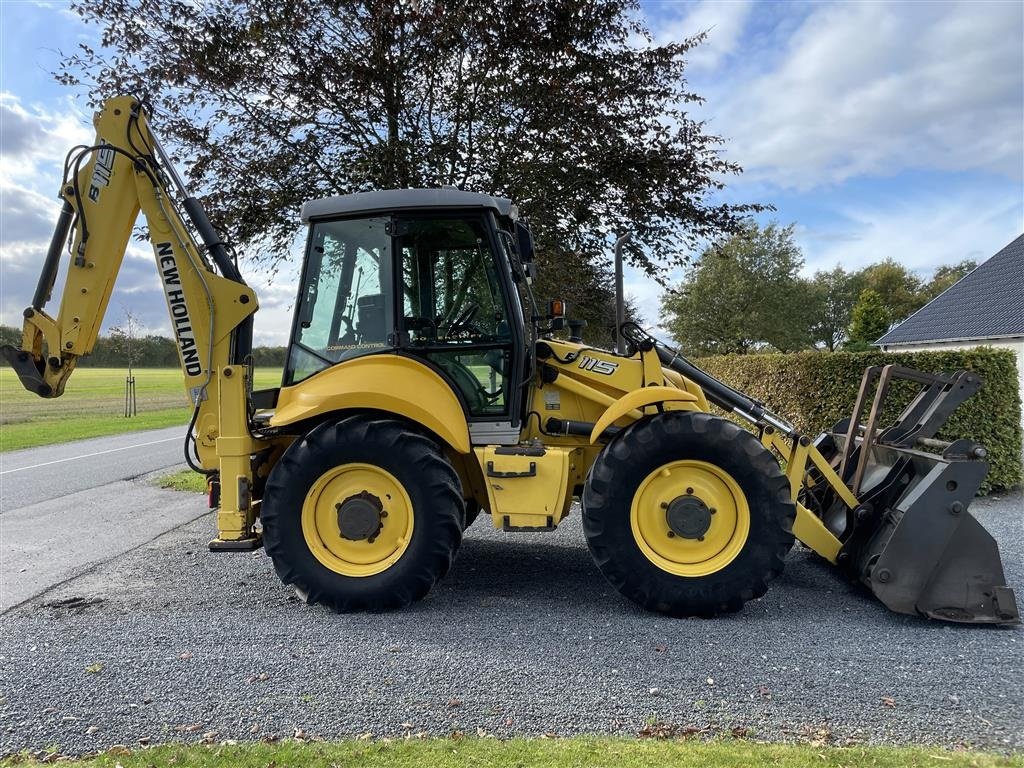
362 514
688 514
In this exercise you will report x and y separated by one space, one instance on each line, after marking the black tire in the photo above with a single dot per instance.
472 512
638 451
429 480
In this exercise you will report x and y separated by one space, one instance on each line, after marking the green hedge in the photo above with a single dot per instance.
814 390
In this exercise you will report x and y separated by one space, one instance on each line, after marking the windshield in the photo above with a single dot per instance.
345 299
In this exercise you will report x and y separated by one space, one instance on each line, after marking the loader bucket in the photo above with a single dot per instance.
911 540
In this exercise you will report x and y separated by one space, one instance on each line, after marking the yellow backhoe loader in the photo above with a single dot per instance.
423 387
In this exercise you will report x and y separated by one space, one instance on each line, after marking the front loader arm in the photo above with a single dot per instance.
869 501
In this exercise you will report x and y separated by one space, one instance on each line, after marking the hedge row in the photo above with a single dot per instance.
814 390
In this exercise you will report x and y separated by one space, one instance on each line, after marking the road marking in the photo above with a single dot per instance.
90 455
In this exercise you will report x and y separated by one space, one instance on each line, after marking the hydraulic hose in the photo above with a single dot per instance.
717 391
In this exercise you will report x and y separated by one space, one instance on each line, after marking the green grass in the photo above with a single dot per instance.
185 480
591 752
93 405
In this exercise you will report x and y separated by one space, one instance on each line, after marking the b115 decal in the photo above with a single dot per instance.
605 367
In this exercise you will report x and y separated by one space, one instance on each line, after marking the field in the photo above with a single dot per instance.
93 405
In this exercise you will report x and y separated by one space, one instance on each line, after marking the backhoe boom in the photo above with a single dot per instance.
106 185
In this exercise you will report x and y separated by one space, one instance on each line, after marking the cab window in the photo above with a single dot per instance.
345 307
453 311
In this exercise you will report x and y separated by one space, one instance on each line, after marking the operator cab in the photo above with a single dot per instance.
420 272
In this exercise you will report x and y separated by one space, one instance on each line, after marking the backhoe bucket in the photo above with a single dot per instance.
911 540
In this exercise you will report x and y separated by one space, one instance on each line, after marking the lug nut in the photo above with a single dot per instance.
664 505
712 510
689 491
700 538
884 575
956 507
671 534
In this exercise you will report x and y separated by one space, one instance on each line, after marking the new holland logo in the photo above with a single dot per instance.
179 309
604 367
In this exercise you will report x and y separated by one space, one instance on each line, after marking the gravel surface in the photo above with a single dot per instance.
172 643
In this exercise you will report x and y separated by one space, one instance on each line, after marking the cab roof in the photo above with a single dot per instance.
398 199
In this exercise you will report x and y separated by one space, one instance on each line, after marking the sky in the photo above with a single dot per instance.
879 129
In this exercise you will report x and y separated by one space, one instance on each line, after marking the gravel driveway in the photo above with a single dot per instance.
524 637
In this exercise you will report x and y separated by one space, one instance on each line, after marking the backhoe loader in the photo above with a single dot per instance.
424 387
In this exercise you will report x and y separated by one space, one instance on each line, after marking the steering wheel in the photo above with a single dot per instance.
464 321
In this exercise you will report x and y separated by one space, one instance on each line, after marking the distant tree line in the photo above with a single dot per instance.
149 351
746 294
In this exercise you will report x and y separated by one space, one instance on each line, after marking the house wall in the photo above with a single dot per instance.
1015 344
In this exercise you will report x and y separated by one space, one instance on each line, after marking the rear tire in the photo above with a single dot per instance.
472 512
404 472
707 560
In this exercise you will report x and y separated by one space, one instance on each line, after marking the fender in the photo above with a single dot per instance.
389 383
641 398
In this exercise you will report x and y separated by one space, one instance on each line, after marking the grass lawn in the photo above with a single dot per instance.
185 480
589 752
93 405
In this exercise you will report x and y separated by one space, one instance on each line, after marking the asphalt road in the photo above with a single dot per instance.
64 508
36 475
168 642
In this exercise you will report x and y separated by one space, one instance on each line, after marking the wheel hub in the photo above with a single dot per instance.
360 517
689 517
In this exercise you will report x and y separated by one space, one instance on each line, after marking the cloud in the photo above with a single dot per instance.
723 21
921 233
857 89
35 140
27 216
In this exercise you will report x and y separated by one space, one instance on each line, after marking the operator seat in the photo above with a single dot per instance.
372 319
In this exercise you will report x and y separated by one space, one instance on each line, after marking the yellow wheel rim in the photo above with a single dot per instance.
325 503
703 486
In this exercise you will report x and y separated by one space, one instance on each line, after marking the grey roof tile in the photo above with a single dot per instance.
986 303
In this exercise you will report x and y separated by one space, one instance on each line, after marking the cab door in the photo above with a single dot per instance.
456 314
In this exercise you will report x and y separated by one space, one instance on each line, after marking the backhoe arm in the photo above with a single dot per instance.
105 187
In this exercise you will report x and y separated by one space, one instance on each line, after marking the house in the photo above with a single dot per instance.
986 307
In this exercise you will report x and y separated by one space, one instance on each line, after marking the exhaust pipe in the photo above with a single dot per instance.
620 299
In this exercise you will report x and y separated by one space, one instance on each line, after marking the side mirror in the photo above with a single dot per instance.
524 243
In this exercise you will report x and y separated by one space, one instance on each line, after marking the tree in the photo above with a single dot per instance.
835 294
898 289
123 339
742 295
10 335
946 275
553 103
871 319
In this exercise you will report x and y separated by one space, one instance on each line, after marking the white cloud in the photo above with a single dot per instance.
921 233
33 143
874 89
724 21
36 139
